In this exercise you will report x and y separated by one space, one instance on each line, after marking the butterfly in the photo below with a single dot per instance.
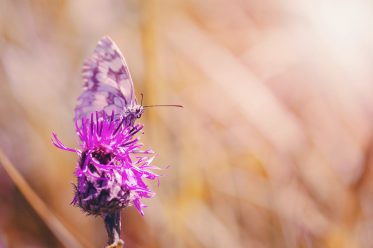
107 86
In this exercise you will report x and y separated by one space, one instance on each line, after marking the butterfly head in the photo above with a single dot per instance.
138 110
134 112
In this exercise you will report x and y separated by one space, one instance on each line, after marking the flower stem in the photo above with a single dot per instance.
112 224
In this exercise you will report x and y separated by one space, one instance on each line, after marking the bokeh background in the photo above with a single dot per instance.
273 147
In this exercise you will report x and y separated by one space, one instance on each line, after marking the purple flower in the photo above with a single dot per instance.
111 165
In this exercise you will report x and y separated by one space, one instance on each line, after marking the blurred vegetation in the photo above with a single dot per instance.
272 149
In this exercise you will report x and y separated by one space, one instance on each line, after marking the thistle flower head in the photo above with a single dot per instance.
111 165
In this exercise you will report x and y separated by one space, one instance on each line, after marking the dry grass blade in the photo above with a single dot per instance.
193 40
54 224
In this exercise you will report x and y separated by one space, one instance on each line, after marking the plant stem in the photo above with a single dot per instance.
112 224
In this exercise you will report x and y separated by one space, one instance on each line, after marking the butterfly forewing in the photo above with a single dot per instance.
107 83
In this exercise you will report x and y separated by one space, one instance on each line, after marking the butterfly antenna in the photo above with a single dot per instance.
164 105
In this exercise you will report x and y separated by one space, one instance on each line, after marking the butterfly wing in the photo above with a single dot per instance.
107 83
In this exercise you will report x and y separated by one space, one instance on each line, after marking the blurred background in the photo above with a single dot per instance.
272 149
